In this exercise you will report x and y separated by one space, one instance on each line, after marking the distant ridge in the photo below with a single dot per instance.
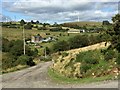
85 23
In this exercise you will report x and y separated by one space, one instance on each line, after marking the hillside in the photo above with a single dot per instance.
83 62
41 76
84 23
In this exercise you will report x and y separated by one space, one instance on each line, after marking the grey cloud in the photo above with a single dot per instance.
4 18
61 12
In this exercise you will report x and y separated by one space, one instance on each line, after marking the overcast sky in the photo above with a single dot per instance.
58 10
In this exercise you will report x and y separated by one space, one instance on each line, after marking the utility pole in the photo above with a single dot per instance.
24 39
45 52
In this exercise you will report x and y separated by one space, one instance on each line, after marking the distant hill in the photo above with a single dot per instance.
85 23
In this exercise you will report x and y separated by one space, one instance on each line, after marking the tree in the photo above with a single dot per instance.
5 45
7 60
17 48
32 22
61 46
25 60
47 50
28 26
37 22
115 32
78 41
106 23
44 24
22 22
115 35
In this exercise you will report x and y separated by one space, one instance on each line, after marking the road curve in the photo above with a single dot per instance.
37 77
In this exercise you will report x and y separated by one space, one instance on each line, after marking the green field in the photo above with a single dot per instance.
14 34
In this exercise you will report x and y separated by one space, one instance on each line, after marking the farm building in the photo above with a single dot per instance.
36 38
76 30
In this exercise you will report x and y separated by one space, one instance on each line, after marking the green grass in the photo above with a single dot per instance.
13 34
56 77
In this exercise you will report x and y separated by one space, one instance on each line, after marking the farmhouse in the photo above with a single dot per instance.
40 39
74 31
82 30
48 39
36 38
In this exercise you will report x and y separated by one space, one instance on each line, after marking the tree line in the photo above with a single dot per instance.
79 41
14 54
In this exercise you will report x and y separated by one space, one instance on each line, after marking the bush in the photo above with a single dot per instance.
28 26
7 61
16 47
47 33
110 54
61 46
118 59
84 68
57 29
88 57
5 45
25 60
64 54
22 60
78 41
48 58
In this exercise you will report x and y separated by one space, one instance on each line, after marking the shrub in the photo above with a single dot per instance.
85 67
118 59
22 60
61 46
88 57
7 61
5 45
28 26
78 41
110 54
25 60
47 33
16 47
48 58
30 62
64 54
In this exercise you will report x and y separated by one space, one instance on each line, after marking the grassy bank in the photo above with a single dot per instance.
56 77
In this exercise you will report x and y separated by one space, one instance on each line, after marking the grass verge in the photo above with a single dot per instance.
56 77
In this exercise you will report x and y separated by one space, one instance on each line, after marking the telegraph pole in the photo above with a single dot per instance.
45 52
24 39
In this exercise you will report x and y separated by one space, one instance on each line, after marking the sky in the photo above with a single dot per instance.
60 11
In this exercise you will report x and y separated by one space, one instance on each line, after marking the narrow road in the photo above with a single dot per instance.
36 77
